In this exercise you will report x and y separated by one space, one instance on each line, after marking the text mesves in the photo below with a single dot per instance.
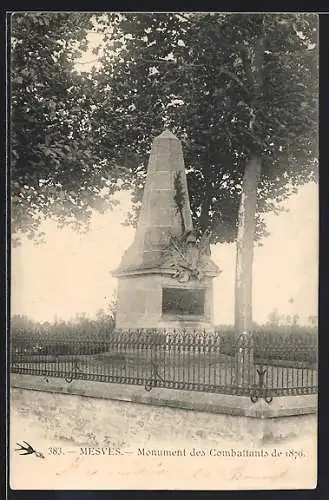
101 451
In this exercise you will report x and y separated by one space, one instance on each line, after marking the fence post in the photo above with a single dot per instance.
244 361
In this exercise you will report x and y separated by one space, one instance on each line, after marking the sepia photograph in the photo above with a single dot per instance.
164 250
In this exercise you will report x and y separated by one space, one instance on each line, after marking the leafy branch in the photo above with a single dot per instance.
179 198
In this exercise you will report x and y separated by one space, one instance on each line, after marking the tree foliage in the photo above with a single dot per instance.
73 135
194 75
54 169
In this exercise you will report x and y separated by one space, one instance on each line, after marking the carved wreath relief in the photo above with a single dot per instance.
188 258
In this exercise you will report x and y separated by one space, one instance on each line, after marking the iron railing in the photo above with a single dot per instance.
198 361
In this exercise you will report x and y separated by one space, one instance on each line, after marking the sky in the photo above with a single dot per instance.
71 273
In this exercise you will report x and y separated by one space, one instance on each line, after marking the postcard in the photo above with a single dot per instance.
164 194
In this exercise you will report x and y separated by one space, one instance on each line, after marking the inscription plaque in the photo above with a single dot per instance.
183 301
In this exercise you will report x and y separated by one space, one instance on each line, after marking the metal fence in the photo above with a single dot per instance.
257 366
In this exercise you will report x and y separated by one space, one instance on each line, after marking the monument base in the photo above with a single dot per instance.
153 300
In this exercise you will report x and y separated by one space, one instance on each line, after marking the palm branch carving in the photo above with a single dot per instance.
187 257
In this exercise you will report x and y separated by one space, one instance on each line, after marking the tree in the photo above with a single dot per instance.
21 322
253 62
241 91
273 318
196 75
54 168
78 137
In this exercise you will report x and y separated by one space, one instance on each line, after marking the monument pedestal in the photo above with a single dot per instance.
159 301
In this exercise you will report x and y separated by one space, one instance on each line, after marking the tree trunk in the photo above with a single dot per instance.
244 355
245 246
253 59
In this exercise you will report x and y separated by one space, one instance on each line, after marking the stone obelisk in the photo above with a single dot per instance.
149 294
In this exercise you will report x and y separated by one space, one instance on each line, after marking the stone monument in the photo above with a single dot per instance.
165 278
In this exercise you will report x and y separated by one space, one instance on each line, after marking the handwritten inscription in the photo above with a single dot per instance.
239 473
